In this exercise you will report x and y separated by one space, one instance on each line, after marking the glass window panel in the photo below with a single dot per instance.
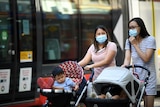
25 25
25 30
5 33
59 30
95 7
64 23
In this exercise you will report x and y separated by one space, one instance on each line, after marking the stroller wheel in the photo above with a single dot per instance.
45 105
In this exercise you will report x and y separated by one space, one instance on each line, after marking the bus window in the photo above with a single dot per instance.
59 30
5 33
25 31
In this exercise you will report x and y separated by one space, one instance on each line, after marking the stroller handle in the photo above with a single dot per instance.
138 66
92 73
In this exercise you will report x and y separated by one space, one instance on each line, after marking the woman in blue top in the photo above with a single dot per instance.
140 47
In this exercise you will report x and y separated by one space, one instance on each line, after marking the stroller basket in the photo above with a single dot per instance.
107 102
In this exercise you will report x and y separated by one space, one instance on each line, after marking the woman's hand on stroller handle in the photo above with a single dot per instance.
88 67
92 72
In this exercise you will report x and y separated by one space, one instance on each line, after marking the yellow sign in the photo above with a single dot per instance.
26 56
158 52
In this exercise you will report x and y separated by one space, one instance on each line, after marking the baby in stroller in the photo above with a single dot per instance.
115 92
65 85
63 82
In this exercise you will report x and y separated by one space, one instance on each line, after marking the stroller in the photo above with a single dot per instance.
62 98
124 79
110 77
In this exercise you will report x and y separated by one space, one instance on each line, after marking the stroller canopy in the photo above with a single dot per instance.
122 77
73 70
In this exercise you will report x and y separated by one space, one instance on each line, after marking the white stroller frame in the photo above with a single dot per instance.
124 78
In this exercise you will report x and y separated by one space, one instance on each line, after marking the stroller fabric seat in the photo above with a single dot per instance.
73 70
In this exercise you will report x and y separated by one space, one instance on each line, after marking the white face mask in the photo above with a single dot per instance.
101 38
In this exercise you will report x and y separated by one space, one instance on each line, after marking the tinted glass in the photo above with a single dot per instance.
25 30
5 33
59 30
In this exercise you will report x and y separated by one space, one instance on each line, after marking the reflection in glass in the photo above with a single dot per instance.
25 30
72 24
5 33
59 27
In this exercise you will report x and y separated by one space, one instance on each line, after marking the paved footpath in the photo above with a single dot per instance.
156 103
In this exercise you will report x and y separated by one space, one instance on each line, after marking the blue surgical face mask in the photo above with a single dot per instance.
101 38
133 32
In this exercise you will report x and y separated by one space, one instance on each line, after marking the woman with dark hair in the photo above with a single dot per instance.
102 53
140 47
